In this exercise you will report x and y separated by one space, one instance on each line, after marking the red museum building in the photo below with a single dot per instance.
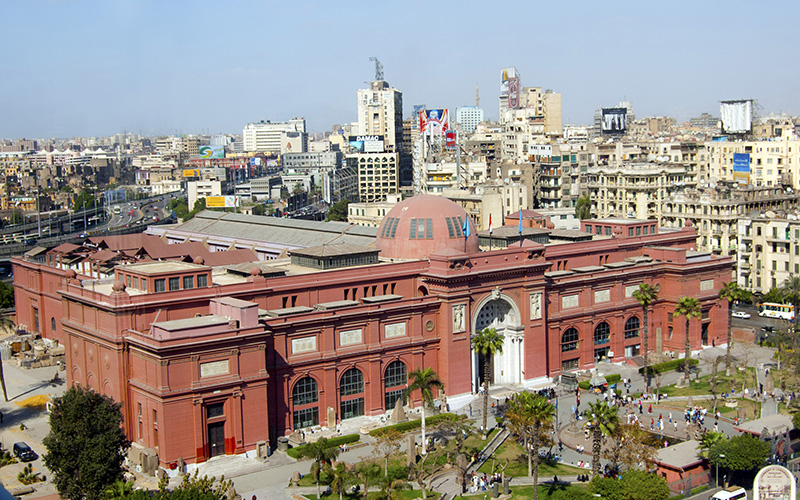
212 360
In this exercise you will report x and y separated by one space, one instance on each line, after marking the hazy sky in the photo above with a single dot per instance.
95 68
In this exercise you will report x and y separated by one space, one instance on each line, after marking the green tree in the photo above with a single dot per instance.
338 211
321 452
740 454
85 199
708 441
773 295
298 188
85 454
6 295
259 210
534 415
340 478
602 419
646 295
732 292
791 293
583 207
487 343
368 473
425 380
795 419
632 485
688 307
386 445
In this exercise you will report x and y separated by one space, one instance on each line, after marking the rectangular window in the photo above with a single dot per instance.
215 410
202 280
188 282
412 231
352 408
144 285
161 285
390 399
175 283
306 418
569 364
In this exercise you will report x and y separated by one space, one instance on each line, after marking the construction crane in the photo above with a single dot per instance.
378 69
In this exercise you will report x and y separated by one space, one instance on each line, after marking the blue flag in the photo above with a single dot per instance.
520 221
466 228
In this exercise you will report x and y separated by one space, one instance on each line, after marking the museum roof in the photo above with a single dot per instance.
679 455
275 230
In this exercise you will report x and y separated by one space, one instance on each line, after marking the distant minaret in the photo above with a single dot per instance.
477 96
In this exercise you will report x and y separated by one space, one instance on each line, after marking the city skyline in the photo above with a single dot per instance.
151 68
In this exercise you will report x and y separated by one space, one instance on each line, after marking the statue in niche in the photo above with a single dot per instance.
536 305
458 318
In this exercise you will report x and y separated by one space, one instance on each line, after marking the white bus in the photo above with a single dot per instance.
775 310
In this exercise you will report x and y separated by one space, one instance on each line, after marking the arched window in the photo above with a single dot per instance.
569 341
632 327
304 395
351 384
602 334
395 380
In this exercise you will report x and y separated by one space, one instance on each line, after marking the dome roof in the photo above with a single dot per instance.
419 226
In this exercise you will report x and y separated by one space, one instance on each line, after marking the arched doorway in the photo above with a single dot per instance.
498 311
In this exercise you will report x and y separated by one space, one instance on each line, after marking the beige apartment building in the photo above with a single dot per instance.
635 190
772 163
378 175
716 212
769 250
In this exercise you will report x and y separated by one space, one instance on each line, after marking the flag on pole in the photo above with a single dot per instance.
466 228
490 223
520 222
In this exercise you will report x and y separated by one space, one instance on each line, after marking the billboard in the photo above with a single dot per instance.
366 143
508 73
212 152
114 195
513 93
450 139
736 116
434 121
741 167
614 120
222 201
191 172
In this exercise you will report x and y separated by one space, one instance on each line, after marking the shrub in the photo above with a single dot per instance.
337 441
667 366
416 424
611 379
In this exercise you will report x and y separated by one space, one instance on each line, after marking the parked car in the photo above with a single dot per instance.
24 452
741 314
768 329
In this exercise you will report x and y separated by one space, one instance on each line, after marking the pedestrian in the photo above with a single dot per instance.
649 408
670 417
675 424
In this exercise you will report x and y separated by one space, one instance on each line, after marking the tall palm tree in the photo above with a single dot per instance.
603 419
487 342
646 295
791 292
6 323
340 477
731 292
534 414
426 380
320 451
688 307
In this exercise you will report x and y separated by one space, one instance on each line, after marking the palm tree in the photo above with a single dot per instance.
646 295
6 323
321 451
583 207
367 472
535 415
731 292
708 440
688 307
487 342
791 292
340 477
602 419
424 379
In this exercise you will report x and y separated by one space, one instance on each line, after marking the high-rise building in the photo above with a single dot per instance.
468 117
380 112
268 137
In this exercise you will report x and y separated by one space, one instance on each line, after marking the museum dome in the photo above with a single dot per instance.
419 226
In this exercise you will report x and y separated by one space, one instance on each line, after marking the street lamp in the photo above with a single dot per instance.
716 480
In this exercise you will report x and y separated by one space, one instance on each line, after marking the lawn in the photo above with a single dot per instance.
526 492
511 451
402 495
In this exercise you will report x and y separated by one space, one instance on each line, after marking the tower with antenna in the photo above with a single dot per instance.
378 69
